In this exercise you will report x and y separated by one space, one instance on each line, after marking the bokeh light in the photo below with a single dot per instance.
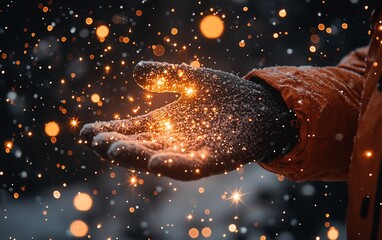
211 26
158 50
78 228
82 201
282 13
193 233
56 194
52 129
206 232
102 31
333 233
95 98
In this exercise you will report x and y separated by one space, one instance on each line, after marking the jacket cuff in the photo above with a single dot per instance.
326 102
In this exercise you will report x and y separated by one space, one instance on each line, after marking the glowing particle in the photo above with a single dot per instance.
52 129
139 13
280 178
242 43
189 91
74 123
321 27
315 38
206 232
201 190
312 49
56 194
8 145
189 217
102 31
211 26
195 63
333 233
49 28
88 21
282 13
95 98
174 31
245 9
232 227
134 181
78 228
82 201
193 233
236 196
328 30
344 26
224 196
275 35
125 39
262 237
167 125
16 195
131 209
158 50
368 153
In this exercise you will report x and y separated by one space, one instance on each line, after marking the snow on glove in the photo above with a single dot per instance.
219 123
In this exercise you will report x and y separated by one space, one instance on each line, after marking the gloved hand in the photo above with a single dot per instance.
219 123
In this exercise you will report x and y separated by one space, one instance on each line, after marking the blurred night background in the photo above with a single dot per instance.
66 63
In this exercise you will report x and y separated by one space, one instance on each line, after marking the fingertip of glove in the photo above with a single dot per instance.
87 133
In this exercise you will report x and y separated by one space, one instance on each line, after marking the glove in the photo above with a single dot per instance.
219 123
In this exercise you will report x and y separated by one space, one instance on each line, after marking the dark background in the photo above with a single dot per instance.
37 86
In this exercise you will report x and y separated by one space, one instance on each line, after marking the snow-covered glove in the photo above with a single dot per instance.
219 123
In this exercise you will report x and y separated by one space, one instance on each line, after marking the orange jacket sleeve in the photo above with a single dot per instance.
326 101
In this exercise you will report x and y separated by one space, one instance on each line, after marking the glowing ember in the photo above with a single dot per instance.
211 26
56 194
8 144
158 50
133 180
368 154
282 13
52 129
102 31
232 227
206 232
189 91
74 122
193 233
89 21
95 98
78 228
333 233
82 202
195 63
236 197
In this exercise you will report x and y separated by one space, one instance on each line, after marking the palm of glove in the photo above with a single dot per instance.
219 123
